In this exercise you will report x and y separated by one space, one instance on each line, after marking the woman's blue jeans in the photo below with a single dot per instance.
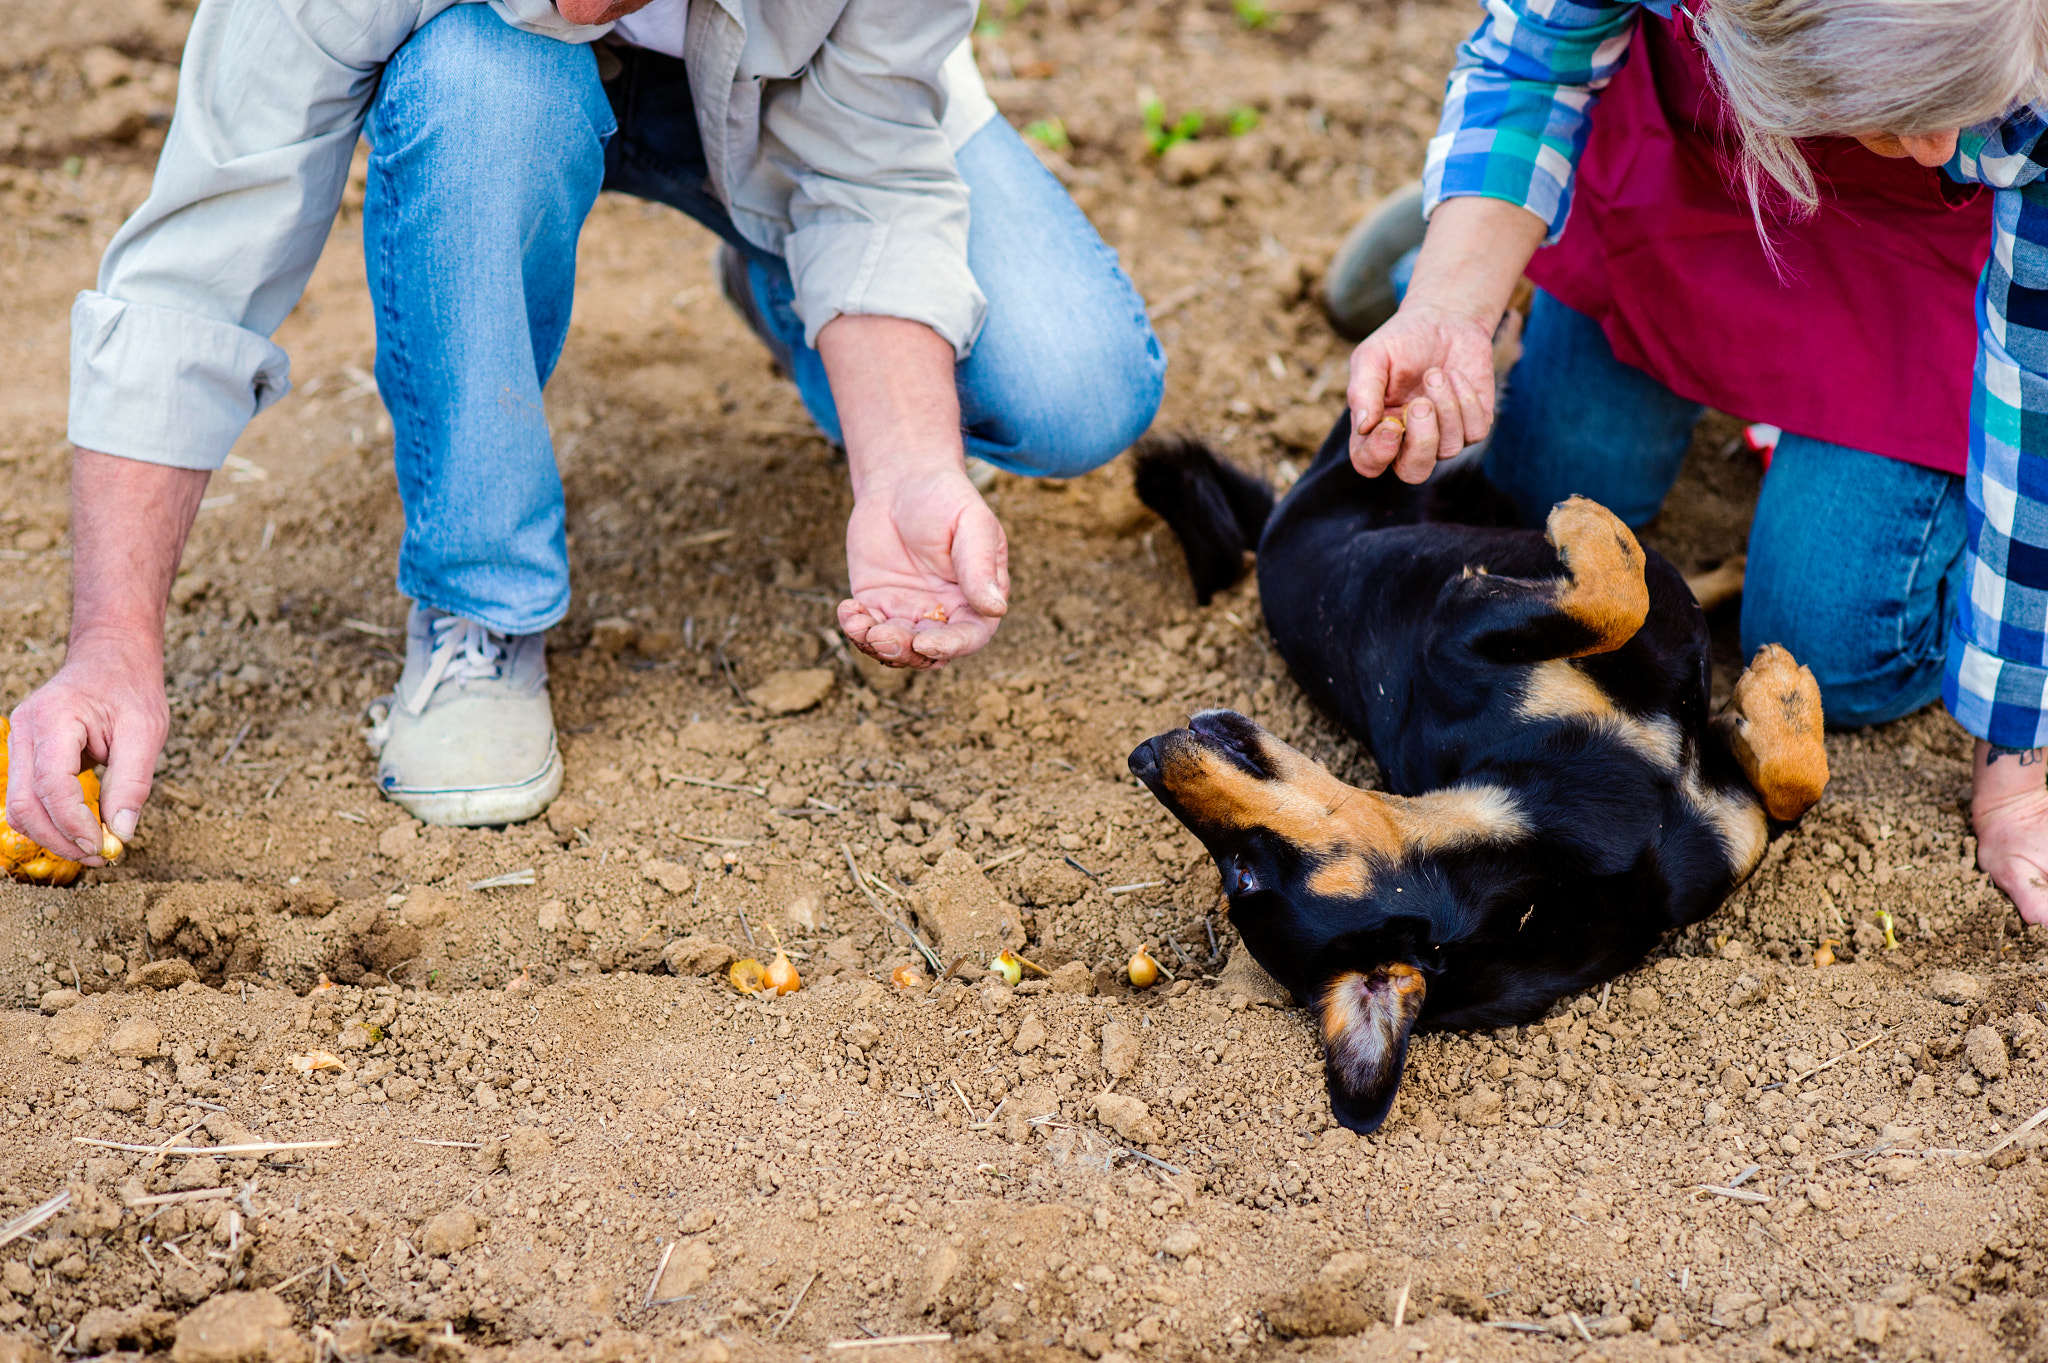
1855 560
489 146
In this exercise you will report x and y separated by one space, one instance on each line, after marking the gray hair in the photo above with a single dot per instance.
1793 69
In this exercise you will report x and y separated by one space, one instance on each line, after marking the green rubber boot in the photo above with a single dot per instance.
1358 289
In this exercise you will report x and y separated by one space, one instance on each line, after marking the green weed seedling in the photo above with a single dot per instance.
1049 133
1160 135
1252 13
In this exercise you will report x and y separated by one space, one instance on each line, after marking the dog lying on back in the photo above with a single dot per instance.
1558 795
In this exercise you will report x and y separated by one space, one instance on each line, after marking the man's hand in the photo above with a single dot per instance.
2009 808
106 704
930 571
1422 385
925 557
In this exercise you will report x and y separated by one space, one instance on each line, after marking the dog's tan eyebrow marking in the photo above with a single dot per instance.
1603 587
1349 830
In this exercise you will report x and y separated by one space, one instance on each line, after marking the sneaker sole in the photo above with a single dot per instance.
487 805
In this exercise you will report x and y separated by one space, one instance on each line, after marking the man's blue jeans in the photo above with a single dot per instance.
488 148
1855 560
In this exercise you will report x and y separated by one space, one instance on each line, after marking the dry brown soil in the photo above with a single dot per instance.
534 1113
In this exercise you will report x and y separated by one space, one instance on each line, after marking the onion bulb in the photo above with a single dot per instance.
22 859
1007 965
1143 970
748 976
782 976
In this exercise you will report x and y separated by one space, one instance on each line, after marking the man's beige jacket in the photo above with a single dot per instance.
829 127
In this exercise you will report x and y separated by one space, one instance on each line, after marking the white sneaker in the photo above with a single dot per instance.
469 738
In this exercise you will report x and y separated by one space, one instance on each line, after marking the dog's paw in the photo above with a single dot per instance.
1603 587
1778 732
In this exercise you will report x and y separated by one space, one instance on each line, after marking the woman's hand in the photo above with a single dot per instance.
1422 385
1421 390
2009 809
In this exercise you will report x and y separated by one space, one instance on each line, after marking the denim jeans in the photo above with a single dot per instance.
1855 560
488 148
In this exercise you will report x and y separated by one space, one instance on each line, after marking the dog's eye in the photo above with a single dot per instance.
1243 880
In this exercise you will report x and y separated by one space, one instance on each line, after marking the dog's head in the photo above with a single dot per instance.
1328 885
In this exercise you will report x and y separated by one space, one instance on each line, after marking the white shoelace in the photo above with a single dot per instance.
464 650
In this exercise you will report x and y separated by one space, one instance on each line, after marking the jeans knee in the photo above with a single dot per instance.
1078 412
489 94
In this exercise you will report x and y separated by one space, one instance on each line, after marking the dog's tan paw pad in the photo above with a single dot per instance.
1779 732
1603 587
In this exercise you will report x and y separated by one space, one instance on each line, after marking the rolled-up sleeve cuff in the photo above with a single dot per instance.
1513 141
884 270
164 386
1994 698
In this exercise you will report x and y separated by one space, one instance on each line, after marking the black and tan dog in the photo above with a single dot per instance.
1537 702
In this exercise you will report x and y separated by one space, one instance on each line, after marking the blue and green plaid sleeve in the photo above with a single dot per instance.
1516 107
1996 683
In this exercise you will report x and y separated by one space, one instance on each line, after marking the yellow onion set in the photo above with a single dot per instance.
23 859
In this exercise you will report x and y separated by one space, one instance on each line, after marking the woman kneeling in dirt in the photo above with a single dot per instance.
1900 544
833 144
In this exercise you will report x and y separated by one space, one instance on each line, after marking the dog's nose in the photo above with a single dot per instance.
1144 761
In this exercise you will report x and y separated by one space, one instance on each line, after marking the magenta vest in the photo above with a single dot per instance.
1866 336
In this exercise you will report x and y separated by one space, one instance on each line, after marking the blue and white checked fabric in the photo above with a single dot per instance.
1996 684
1516 116
1516 108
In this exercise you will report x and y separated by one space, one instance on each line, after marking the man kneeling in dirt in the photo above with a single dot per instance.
833 144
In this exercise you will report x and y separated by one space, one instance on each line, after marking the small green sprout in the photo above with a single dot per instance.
1160 135
1241 120
1252 13
1049 133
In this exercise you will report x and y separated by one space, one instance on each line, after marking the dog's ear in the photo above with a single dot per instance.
1366 1020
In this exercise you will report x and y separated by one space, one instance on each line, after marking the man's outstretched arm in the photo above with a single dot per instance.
926 559
106 704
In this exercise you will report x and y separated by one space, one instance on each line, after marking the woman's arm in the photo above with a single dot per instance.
1515 119
1996 684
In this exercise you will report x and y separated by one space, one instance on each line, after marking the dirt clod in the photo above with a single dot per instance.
73 1033
959 906
697 956
240 1327
136 1038
1985 1050
793 692
448 1232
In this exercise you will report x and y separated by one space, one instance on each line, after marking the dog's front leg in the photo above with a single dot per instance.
1594 606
